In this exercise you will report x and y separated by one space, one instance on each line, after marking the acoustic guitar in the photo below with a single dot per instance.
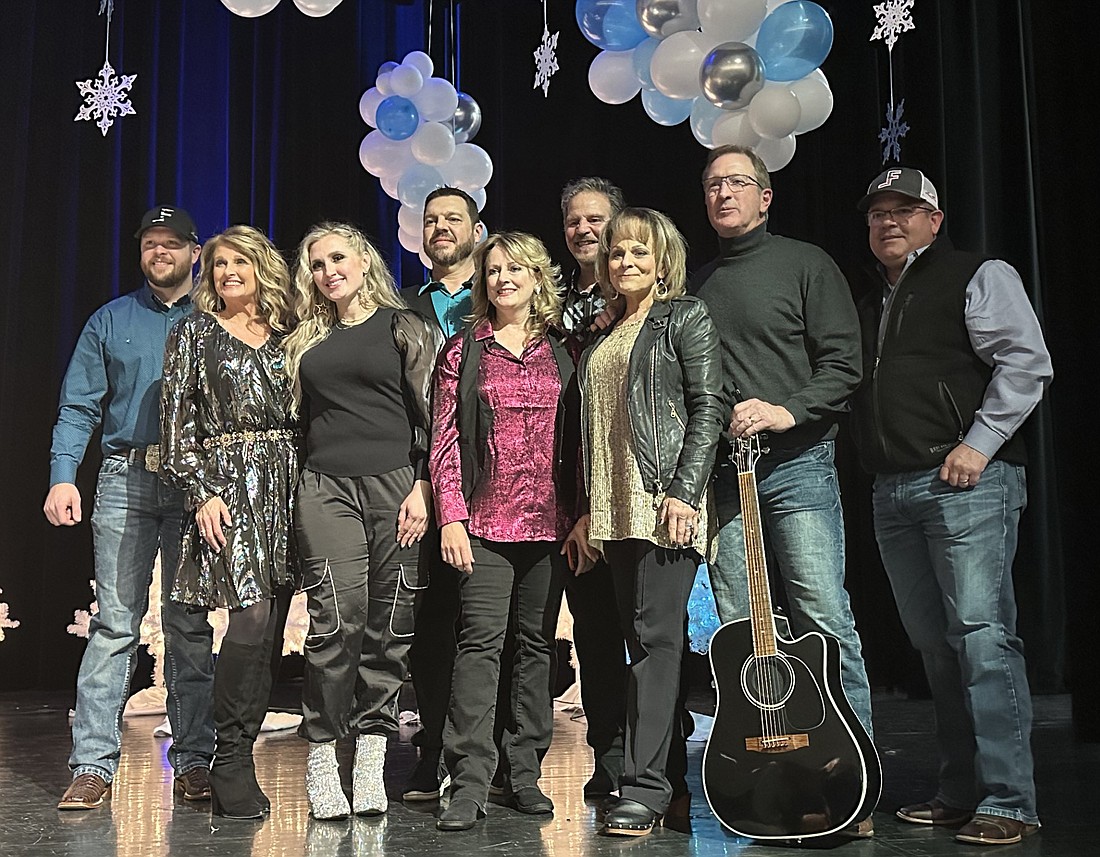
786 758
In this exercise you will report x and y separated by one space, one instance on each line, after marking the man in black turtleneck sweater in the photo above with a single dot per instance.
791 358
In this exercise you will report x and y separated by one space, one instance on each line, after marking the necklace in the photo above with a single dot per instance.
345 323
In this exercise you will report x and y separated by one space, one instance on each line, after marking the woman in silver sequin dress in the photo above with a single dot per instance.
228 440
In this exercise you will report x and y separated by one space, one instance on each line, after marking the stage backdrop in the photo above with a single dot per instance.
257 121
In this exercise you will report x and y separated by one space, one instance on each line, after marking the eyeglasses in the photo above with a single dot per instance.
734 183
898 215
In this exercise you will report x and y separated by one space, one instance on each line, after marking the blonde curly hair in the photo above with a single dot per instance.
529 251
317 315
273 295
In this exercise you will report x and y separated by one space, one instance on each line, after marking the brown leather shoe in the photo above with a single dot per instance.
986 829
935 812
88 791
193 784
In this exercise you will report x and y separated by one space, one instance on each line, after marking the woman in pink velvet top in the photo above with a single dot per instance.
504 467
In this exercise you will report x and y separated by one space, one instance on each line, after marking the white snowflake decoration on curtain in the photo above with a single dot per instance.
106 96
5 619
893 19
893 132
546 58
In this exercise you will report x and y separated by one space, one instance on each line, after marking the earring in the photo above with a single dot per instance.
662 289
614 294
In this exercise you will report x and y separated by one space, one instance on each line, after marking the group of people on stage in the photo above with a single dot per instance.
436 466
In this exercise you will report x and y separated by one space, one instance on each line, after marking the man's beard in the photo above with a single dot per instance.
178 276
450 256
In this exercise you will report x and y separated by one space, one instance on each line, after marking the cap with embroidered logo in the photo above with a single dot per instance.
169 217
903 180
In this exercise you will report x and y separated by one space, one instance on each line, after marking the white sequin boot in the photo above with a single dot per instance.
326 795
368 788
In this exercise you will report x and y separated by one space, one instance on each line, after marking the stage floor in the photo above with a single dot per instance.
143 818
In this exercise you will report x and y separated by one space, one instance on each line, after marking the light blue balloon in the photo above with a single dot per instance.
418 181
703 116
664 110
642 55
794 40
397 118
610 24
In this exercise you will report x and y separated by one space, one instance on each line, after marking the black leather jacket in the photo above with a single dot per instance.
674 395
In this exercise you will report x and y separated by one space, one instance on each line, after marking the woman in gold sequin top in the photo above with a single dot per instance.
228 441
652 414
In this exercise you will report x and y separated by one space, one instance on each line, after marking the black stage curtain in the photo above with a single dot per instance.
256 121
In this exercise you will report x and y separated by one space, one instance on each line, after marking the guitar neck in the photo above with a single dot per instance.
760 602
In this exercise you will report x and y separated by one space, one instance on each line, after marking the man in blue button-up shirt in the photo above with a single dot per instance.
113 382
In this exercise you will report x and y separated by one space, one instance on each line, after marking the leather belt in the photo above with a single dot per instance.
147 456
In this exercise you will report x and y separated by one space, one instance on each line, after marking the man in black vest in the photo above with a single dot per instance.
954 361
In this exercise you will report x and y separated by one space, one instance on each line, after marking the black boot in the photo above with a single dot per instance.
242 686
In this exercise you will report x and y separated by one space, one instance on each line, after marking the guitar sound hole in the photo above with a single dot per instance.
767 681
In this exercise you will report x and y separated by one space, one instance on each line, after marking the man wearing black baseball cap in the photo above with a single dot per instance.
954 361
113 382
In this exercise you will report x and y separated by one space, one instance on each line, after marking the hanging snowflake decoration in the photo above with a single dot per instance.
893 19
893 132
106 96
546 58
546 62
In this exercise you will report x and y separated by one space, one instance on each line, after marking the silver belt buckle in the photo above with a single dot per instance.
152 458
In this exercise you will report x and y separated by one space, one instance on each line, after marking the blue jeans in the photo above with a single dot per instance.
134 514
804 523
948 553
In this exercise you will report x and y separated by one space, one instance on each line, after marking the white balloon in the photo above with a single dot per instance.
774 112
433 143
469 169
731 20
381 156
611 77
479 196
406 81
411 219
384 83
250 8
411 241
421 62
389 184
436 101
676 63
424 260
776 154
316 8
368 105
734 129
815 99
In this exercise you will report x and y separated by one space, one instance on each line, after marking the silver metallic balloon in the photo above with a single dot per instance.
731 75
662 18
467 119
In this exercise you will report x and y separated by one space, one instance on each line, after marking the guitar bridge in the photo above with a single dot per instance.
777 743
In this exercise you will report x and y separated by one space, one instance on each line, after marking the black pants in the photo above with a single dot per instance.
652 587
601 654
510 584
432 654
360 587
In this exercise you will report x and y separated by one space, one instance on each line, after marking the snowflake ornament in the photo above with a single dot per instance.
5 619
546 62
893 19
893 132
105 98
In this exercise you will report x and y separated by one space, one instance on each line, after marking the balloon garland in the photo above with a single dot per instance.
740 71
256 8
423 127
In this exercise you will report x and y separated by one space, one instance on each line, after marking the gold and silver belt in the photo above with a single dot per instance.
236 437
